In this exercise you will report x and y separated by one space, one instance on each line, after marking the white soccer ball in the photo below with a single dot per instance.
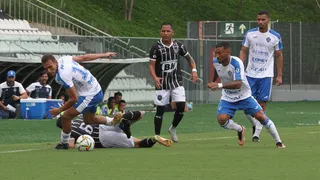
85 143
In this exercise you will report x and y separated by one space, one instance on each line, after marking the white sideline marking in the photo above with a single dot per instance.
215 138
21 150
308 113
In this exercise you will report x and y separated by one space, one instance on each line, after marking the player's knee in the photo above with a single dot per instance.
260 116
223 118
180 106
160 111
263 104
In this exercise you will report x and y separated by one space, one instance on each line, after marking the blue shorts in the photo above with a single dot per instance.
89 103
260 87
249 105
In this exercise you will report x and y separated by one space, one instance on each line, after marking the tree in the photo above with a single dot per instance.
128 10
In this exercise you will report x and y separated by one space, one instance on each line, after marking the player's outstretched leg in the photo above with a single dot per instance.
227 123
271 128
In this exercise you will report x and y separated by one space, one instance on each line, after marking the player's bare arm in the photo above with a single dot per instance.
279 57
23 96
73 98
233 85
91 57
3 106
157 80
192 64
243 53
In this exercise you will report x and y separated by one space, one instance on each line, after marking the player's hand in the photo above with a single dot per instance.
278 80
213 86
110 55
15 98
194 77
55 111
157 82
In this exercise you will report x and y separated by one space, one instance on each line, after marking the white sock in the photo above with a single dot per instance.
258 129
65 137
272 130
253 120
230 124
109 121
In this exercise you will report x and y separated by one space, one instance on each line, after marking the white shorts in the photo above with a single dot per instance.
162 96
113 137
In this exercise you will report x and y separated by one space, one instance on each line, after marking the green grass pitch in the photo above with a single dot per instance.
205 150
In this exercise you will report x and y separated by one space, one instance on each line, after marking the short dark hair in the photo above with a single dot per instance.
121 101
264 12
47 57
117 94
223 44
110 99
166 23
43 72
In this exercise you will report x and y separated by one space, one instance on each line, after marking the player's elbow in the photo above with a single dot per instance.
73 99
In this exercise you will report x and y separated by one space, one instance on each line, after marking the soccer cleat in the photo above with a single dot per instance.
62 146
125 125
173 133
241 138
255 139
117 118
163 141
280 145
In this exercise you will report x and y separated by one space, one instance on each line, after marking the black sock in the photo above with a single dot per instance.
158 120
177 118
178 114
146 143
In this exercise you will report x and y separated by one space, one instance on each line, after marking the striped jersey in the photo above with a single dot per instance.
167 63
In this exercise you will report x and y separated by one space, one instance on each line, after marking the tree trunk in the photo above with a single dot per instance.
125 9
239 9
130 10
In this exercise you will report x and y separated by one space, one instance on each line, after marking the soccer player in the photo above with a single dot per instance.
112 136
83 90
40 89
236 95
165 70
262 43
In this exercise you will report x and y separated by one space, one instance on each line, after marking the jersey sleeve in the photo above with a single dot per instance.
238 70
183 50
63 75
246 41
279 45
21 88
31 87
153 53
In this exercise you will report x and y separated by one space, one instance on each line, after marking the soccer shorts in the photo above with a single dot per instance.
163 96
249 105
89 103
261 87
112 137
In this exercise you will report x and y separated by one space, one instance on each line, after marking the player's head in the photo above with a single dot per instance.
166 31
222 52
50 64
263 18
11 77
117 96
111 102
43 77
122 105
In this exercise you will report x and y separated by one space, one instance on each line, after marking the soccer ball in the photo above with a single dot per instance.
84 143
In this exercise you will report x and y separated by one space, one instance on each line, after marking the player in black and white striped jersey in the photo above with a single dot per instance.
166 72
112 136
